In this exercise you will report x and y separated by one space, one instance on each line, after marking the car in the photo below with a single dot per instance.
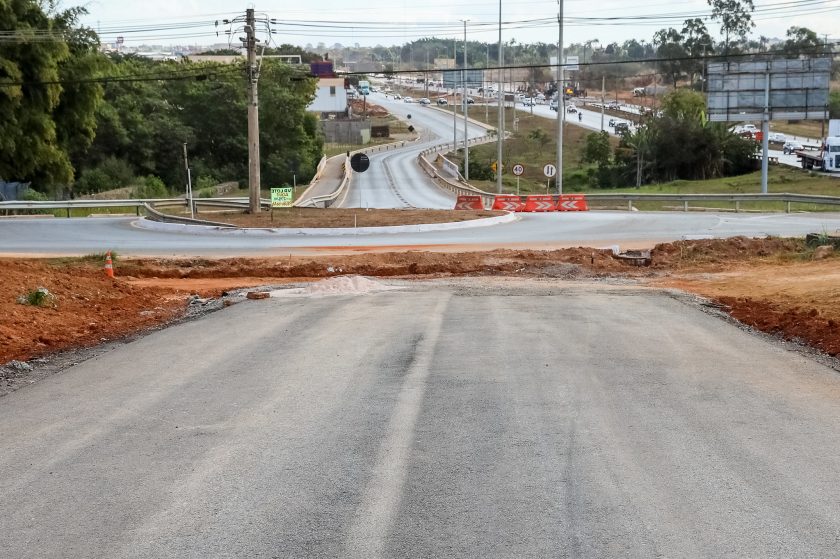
553 105
528 102
791 146
424 101
614 105
622 127
397 96
470 101
777 137
442 101
408 99
540 97
571 109
611 123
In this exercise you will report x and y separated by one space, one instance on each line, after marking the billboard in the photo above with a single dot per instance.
452 78
798 89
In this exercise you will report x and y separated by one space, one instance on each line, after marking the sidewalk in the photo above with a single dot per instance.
329 182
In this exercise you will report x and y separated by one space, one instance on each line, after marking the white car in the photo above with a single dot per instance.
791 146
408 99
777 137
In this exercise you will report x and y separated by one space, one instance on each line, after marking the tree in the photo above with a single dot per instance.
684 104
697 44
596 148
31 67
539 137
834 105
801 40
735 17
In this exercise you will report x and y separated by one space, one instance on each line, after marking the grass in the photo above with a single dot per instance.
85 212
802 129
533 155
780 180
94 258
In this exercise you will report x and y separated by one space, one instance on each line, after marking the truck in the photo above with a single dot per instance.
826 159
364 87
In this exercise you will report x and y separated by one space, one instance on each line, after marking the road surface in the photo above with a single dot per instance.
394 179
595 229
442 421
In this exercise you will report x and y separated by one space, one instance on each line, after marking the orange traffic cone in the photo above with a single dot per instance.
109 265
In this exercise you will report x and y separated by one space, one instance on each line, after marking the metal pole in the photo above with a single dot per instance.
464 79
765 134
253 116
454 104
189 182
501 126
561 98
603 93
484 91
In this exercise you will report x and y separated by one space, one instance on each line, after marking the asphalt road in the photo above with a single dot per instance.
596 229
472 421
394 179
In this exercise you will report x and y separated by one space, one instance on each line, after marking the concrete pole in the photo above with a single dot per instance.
765 134
466 105
501 96
253 116
189 182
603 93
561 98
454 104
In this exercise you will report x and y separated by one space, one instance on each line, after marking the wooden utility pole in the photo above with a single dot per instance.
253 115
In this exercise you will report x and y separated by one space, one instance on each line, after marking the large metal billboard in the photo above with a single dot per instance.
798 89
452 78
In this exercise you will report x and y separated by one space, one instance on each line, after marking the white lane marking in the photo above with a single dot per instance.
375 515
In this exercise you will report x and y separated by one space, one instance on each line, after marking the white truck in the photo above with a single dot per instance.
826 159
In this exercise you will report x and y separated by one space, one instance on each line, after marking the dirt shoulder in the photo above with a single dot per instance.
319 218
774 285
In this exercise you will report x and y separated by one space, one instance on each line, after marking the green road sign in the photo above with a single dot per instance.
281 197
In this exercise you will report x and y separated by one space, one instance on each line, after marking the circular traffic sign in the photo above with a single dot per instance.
518 169
359 162
549 170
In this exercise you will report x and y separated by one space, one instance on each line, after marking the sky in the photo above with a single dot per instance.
390 22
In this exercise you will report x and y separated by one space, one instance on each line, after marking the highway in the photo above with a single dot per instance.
597 229
394 180
475 418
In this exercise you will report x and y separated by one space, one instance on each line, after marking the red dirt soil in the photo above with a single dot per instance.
770 284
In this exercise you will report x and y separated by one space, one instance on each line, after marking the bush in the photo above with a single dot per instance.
40 297
152 187
110 174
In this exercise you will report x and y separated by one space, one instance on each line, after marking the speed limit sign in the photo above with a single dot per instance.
518 169
549 170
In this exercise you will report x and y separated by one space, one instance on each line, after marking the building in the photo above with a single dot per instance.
330 98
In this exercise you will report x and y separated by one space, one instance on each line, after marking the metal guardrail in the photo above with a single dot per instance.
691 199
135 203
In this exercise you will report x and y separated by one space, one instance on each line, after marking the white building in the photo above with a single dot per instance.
330 98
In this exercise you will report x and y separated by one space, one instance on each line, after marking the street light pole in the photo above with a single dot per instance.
501 128
464 99
561 98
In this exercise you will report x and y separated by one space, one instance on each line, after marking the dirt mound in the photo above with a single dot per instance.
371 109
682 254
86 308
383 265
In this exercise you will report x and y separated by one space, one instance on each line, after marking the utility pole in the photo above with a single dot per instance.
454 91
501 127
464 99
484 85
253 115
603 93
189 182
561 98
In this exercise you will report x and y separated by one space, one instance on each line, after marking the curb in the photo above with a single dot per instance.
147 224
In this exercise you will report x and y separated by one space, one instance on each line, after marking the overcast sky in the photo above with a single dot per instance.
397 21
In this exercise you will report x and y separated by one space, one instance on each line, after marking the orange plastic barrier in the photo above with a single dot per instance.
539 203
508 202
572 203
469 203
